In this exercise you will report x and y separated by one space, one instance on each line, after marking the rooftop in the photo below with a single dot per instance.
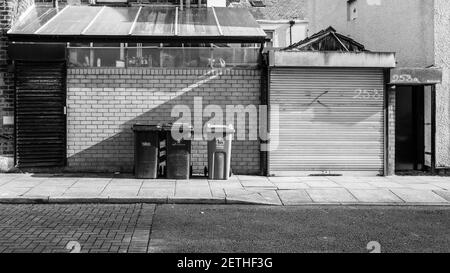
274 9
136 23
328 40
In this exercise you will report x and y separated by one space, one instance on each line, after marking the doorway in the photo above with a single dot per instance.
410 127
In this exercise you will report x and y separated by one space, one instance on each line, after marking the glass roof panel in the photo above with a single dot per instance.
36 18
80 22
238 22
72 20
197 22
155 21
113 21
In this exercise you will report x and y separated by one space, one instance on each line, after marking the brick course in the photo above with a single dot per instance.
104 103
10 11
391 97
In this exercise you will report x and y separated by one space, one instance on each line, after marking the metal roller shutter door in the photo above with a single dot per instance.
330 121
40 118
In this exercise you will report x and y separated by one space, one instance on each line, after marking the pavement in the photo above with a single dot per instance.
239 189
205 228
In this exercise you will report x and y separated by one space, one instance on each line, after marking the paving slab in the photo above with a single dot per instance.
148 184
375 196
313 178
24 183
83 192
322 184
237 192
421 186
284 179
331 196
115 191
156 192
218 192
443 185
192 191
14 192
418 196
258 184
253 198
225 184
387 184
294 197
126 182
356 185
291 185
444 194
271 196
46 191
251 178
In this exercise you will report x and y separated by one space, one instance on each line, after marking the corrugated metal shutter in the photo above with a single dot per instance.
330 121
40 118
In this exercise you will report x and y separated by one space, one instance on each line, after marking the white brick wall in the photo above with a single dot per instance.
103 104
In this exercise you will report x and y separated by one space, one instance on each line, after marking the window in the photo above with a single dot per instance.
270 35
257 3
124 55
352 11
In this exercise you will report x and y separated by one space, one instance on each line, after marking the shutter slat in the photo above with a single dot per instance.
329 120
40 119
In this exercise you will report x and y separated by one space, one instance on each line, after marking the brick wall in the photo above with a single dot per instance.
103 104
391 131
10 11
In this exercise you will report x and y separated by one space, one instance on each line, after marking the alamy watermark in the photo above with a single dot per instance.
252 122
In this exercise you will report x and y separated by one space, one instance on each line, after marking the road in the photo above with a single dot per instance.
213 228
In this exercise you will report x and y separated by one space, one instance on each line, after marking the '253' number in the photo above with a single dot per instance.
368 94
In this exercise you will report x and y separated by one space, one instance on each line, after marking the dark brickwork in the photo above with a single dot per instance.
97 228
10 11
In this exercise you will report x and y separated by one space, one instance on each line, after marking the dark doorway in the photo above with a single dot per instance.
410 128
40 119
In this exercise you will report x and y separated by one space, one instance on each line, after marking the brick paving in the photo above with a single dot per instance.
49 228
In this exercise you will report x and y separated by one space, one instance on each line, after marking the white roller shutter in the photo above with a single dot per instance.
331 120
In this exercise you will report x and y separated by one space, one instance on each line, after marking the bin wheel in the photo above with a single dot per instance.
205 171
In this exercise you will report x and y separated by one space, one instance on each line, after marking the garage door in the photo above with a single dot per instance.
330 121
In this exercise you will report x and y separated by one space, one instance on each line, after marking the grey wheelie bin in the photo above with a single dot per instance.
146 150
178 145
219 151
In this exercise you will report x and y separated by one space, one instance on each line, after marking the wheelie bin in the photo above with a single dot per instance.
146 150
219 151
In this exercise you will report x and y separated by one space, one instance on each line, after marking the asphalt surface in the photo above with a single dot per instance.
214 228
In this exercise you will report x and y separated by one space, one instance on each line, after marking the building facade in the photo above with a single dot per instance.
284 21
418 31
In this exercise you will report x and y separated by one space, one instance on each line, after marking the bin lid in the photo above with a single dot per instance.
146 127
168 126
212 128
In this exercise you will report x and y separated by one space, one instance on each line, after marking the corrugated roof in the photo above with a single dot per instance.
275 9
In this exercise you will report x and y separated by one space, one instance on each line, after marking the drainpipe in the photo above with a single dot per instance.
291 24
55 4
